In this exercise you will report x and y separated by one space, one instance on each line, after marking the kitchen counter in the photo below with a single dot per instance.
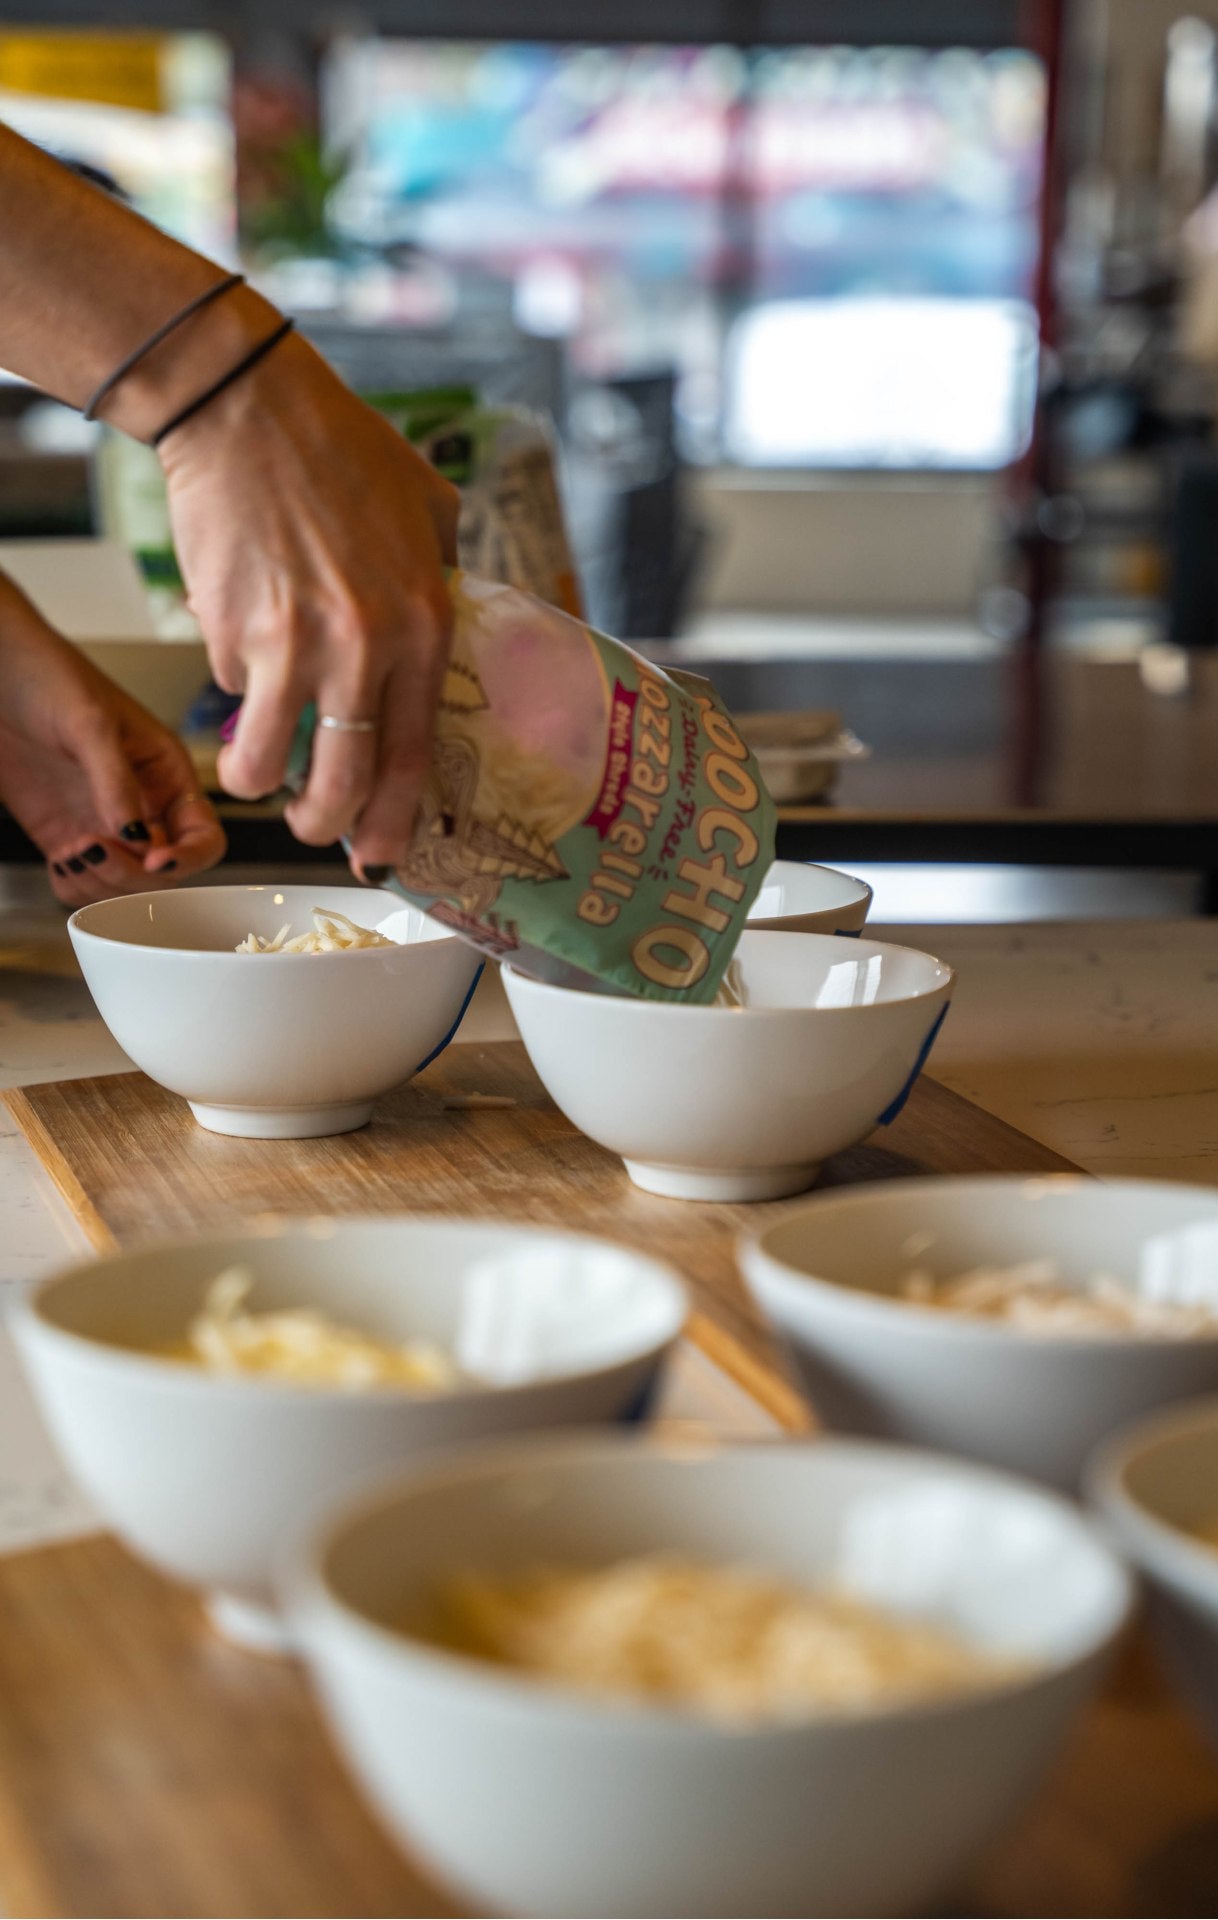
1098 1039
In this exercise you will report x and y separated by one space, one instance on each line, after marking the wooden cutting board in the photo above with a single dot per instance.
134 1166
146 1768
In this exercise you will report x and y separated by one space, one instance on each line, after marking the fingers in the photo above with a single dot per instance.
78 876
71 892
355 663
183 837
342 766
194 839
113 784
383 832
77 881
255 762
365 786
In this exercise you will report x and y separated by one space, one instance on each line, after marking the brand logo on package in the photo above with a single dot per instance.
618 755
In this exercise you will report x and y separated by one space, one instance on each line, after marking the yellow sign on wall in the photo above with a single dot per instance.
111 69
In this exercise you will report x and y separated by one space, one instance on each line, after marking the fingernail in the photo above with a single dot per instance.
75 866
58 867
134 830
94 854
377 876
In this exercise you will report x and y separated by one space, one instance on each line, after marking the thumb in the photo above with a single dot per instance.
114 787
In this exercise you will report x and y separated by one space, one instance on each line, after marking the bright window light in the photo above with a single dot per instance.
885 382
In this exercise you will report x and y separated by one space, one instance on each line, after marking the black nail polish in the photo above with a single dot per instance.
58 867
135 830
94 854
75 866
377 876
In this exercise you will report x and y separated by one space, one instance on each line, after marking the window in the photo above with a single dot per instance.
833 247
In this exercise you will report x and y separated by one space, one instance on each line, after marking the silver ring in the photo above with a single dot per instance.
335 725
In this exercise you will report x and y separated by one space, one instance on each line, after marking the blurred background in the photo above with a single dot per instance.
877 339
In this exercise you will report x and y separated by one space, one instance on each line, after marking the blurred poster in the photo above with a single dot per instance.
651 204
149 112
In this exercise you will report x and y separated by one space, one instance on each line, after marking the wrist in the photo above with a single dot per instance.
188 361
286 393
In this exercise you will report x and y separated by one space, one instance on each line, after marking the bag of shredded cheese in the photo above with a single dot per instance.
589 818
502 458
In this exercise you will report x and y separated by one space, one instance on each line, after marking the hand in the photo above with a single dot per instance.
101 787
311 536
312 539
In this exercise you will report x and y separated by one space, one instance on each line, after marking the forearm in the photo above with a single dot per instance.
83 281
312 538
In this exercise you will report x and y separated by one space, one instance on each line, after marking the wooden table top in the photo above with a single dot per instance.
133 1165
146 1768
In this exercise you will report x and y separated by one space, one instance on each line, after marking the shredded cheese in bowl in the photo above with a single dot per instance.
332 933
737 1645
1034 1297
731 989
303 1346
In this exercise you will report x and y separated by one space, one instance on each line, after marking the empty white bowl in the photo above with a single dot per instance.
726 1103
827 1274
533 1798
272 1046
799 898
1153 1483
207 1476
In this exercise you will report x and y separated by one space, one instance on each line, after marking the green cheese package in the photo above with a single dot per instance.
588 817
504 461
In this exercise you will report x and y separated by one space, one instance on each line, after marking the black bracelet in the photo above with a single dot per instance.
226 380
124 367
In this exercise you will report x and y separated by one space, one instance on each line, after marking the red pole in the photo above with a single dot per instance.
1044 33
1034 478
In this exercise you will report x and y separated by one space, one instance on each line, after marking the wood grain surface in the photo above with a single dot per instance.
148 1769
133 1166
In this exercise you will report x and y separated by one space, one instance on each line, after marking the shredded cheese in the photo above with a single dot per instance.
332 933
731 990
735 1644
1033 1297
303 1346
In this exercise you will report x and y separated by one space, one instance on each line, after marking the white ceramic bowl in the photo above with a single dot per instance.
207 1476
799 898
272 1046
1153 1483
535 1799
827 1272
725 1103
794 899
